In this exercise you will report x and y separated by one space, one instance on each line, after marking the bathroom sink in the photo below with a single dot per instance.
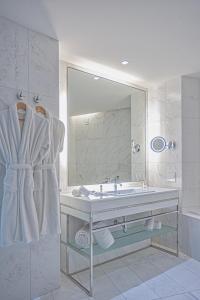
124 192
121 192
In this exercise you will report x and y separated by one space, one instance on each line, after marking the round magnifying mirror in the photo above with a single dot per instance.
158 144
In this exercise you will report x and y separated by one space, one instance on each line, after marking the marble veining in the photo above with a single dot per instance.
100 146
28 62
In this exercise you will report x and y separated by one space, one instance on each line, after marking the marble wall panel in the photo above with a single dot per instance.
28 62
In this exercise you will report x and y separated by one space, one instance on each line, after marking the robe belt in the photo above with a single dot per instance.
18 166
46 167
15 171
38 175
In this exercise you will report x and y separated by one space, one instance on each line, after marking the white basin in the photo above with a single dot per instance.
123 192
129 192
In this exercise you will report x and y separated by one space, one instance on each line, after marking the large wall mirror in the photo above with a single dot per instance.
106 130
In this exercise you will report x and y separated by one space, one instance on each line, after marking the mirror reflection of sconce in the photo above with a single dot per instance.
135 147
159 144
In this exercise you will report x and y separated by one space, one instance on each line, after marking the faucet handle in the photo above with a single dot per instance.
106 180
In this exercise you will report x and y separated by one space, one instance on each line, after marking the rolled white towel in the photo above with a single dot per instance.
81 191
85 192
82 237
76 193
103 237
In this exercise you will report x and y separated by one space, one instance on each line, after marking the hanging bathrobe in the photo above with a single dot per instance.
20 149
46 183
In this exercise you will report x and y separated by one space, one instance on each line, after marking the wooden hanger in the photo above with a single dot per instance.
41 109
21 105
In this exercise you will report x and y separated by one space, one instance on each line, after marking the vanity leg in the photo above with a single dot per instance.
177 234
91 258
67 240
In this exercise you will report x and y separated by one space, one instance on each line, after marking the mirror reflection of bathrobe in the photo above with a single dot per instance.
20 149
46 193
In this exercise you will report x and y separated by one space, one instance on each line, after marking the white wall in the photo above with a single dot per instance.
191 141
28 62
164 119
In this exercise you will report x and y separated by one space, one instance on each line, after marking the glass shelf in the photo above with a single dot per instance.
133 235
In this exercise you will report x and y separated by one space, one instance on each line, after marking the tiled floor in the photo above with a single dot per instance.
145 275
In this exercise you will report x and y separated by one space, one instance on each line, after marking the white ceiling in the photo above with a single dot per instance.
159 38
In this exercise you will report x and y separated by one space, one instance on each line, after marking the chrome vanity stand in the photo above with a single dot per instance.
95 210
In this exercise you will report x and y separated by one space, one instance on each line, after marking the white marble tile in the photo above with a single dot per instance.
15 272
69 294
190 88
164 286
48 296
193 266
184 277
190 108
191 175
145 270
164 174
180 297
8 96
45 262
104 289
140 292
124 279
13 55
43 65
191 140
196 294
190 197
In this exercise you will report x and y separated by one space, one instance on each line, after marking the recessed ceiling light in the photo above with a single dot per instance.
124 62
96 78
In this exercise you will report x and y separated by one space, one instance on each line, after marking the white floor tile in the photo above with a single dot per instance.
163 286
193 266
164 261
146 275
180 297
112 266
184 277
141 292
104 289
124 279
145 270
196 294
46 297
65 293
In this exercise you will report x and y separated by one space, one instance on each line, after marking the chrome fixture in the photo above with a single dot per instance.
36 99
159 144
135 147
20 96
115 180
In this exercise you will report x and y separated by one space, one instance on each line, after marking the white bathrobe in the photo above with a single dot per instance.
47 194
20 150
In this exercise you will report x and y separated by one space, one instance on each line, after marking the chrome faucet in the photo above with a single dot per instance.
115 180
